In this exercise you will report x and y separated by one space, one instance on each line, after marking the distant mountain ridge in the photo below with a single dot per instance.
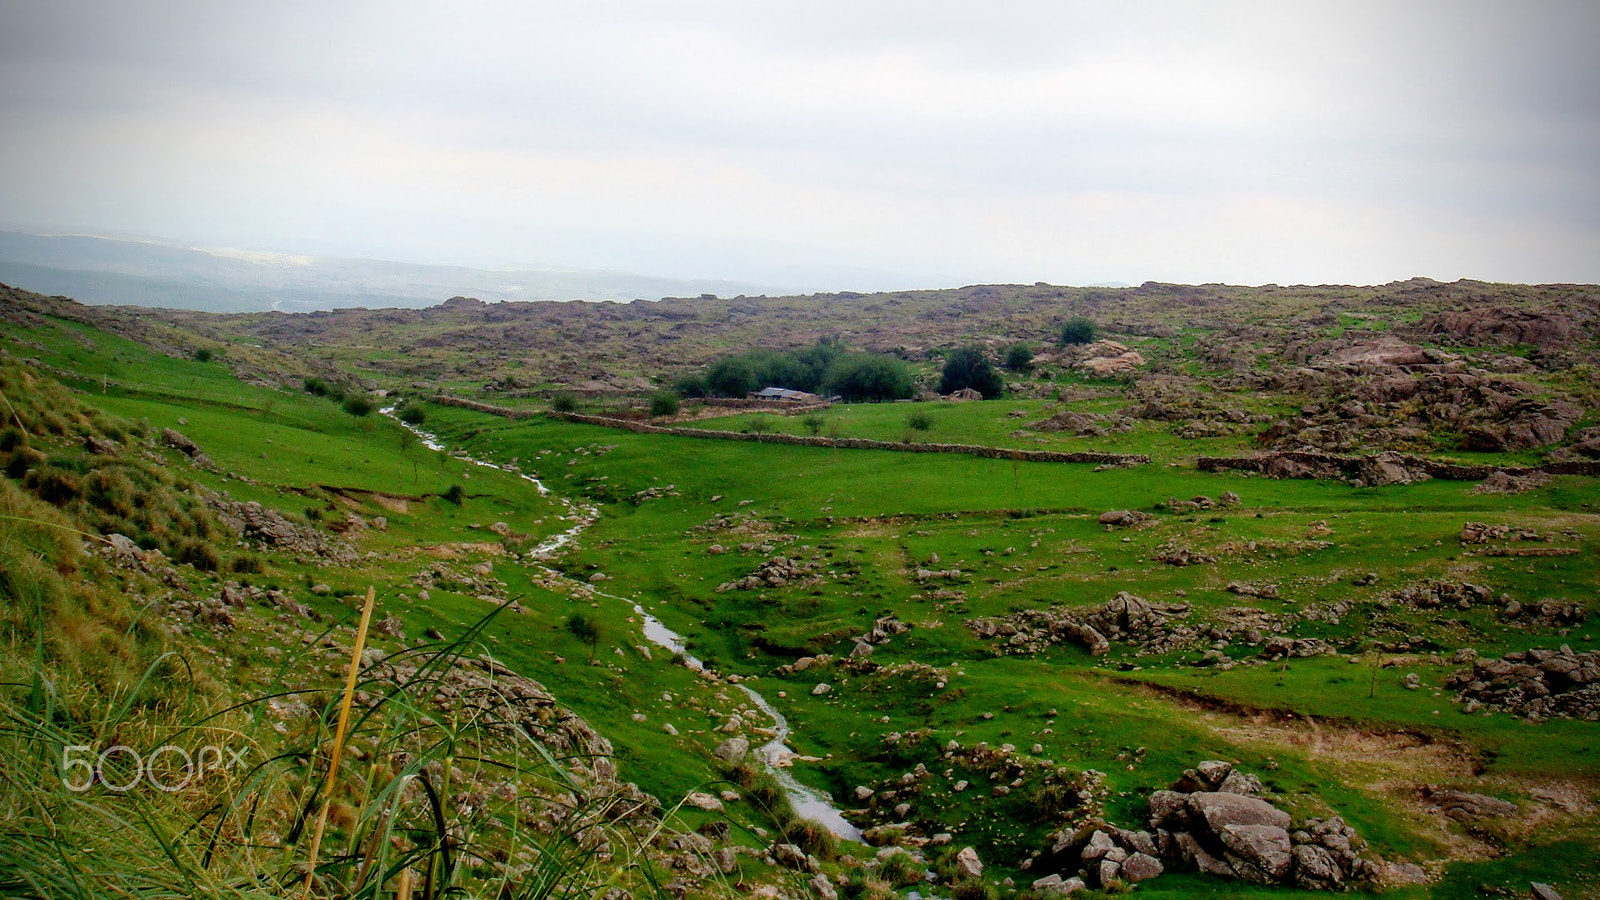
118 271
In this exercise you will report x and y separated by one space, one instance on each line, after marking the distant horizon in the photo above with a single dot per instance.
267 255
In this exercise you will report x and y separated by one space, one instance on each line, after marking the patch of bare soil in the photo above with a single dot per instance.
1401 767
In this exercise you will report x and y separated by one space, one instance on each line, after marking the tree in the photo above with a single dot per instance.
869 377
1019 357
814 424
731 377
664 403
968 367
1078 330
586 630
691 386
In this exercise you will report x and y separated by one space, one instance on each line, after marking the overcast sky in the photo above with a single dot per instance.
823 144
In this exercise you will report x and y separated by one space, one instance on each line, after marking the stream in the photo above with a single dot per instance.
775 754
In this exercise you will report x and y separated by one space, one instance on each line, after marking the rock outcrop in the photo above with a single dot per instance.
1537 684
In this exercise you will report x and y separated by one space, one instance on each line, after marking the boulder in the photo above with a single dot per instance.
733 749
967 864
1258 852
1219 810
1140 867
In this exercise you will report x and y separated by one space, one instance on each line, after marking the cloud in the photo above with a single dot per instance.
1251 141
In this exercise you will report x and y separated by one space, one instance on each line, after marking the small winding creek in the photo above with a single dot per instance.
775 754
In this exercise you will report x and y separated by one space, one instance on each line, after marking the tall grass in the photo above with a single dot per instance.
455 779
459 798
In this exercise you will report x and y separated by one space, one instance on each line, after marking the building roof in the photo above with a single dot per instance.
778 393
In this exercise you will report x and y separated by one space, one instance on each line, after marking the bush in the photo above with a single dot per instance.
204 354
900 870
359 405
564 402
813 838
316 387
732 377
814 424
584 629
1019 358
664 403
24 459
1078 330
974 890
53 484
968 367
919 421
691 386
199 554
869 377
11 439
758 425
455 494
245 564
412 414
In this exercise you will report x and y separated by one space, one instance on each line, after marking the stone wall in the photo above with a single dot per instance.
483 407
1115 459
1434 468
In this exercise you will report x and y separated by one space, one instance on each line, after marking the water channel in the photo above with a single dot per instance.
775 754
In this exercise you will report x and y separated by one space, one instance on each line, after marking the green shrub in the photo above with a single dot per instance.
245 564
412 414
359 405
316 387
919 421
900 870
969 367
455 494
204 354
974 890
22 460
813 838
868 377
691 386
564 402
53 484
1019 358
584 629
734 376
199 554
664 403
11 439
1078 330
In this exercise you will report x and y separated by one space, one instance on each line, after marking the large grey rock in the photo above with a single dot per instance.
1167 807
1265 848
1108 872
1140 867
968 866
1190 851
733 749
1099 845
1316 869
1218 810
